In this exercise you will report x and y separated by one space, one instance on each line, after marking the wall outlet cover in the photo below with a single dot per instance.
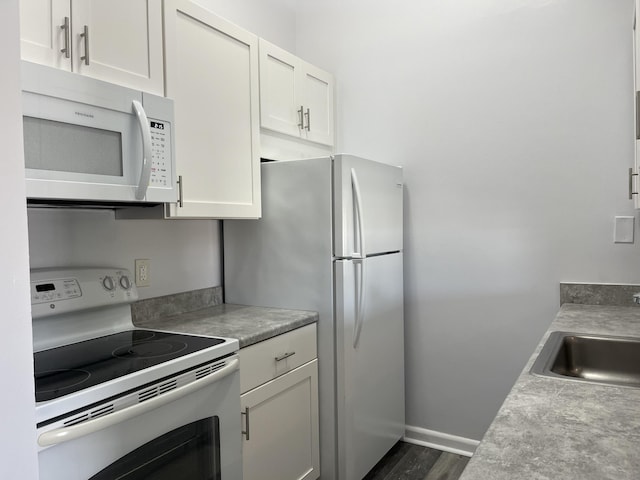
143 274
623 229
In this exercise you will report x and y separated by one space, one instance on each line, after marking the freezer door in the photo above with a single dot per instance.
370 376
380 187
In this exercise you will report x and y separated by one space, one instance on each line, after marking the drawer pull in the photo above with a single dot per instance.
245 432
284 355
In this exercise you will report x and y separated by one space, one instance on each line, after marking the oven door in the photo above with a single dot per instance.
195 434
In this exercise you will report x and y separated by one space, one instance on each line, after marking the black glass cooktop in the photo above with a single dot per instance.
70 368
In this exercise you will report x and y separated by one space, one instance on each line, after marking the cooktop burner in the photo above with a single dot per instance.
70 368
54 380
149 349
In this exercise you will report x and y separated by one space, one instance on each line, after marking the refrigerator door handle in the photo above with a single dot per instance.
359 258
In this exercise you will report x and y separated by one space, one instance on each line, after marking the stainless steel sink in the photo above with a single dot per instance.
590 358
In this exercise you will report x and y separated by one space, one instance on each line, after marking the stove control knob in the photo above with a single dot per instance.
125 282
108 283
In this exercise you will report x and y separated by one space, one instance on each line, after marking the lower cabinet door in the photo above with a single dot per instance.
281 427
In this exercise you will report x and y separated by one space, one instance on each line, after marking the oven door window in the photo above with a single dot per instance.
191 452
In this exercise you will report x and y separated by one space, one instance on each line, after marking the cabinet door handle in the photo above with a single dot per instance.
85 35
631 175
301 117
245 432
67 31
308 115
637 115
284 355
180 204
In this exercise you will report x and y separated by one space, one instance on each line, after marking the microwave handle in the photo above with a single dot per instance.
147 161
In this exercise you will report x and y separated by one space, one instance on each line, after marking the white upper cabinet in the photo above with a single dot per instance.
119 41
124 43
296 98
317 86
279 98
212 75
45 31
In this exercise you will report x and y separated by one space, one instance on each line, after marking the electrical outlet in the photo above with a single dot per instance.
143 275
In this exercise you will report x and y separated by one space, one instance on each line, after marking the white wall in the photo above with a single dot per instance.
184 254
513 120
17 401
273 20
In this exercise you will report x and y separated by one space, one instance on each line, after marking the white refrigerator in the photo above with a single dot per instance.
330 240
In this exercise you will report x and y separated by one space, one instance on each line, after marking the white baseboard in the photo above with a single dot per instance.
440 441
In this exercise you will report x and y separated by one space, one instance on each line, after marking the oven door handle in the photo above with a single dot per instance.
66 434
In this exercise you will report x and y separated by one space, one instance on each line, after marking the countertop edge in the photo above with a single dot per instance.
528 438
248 324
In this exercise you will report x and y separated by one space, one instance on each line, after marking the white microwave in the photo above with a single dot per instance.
93 142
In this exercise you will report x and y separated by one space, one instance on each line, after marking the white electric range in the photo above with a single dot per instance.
115 401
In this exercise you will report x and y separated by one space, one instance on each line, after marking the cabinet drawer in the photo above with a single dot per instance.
271 358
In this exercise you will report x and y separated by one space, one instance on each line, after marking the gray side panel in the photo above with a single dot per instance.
285 260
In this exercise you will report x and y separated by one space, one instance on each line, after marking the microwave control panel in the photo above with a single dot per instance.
161 154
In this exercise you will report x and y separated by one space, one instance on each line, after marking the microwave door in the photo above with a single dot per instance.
88 140
77 152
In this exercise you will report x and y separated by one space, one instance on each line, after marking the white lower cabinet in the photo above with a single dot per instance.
281 427
280 416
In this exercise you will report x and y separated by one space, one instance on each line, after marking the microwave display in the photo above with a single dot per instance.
65 147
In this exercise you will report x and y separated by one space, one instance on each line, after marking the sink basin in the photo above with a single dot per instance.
590 358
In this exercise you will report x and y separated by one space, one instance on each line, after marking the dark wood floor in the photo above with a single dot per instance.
413 462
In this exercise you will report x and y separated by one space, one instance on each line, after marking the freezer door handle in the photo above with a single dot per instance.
359 259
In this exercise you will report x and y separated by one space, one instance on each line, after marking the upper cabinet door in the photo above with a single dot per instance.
318 103
212 74
118 41
45 31
123 44
296 98
279 98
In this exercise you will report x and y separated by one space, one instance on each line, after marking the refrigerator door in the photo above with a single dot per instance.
370 376
380 187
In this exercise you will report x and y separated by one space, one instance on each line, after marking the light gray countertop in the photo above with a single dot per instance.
561 429
248 324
